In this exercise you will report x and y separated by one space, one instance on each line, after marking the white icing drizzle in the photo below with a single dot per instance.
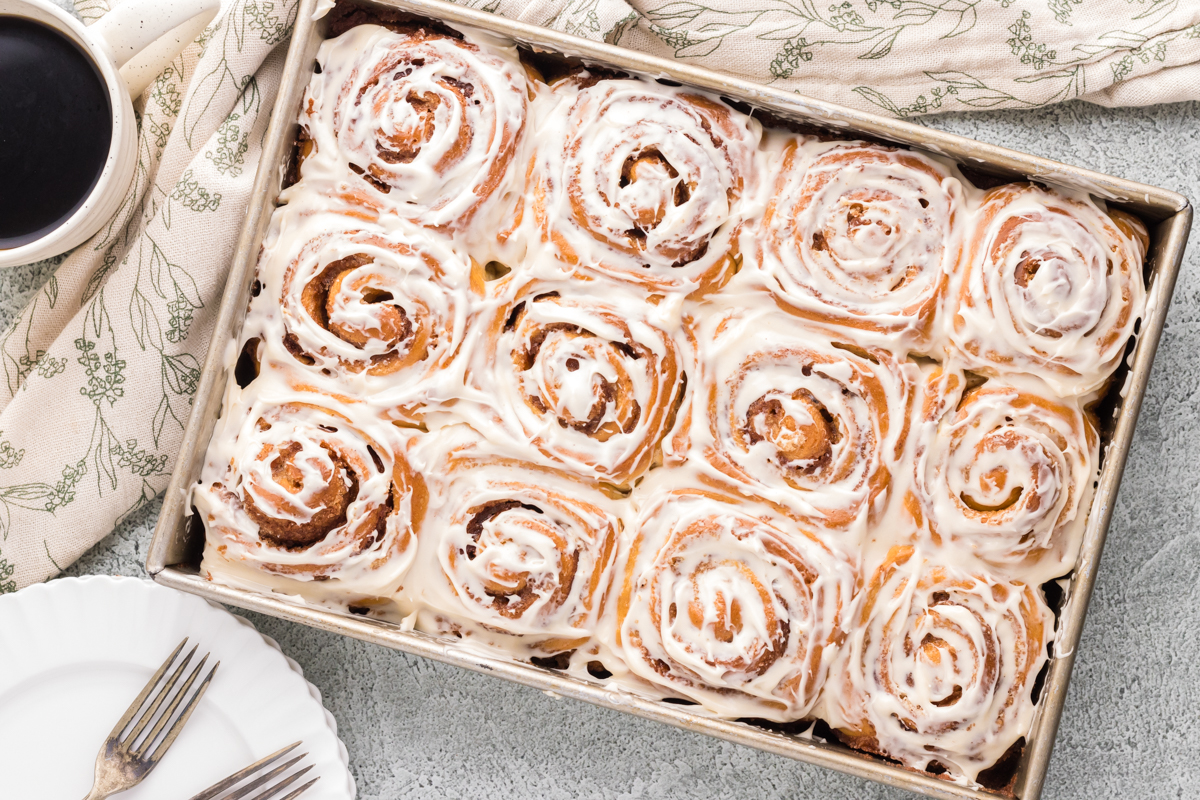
862 235
591 383
1053 286
813 424
730 605
940 665
1007 472
642 182
359 308
525 552
301 489
670 459
422 125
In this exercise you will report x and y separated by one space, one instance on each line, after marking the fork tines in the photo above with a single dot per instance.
151 746
150 725
271 782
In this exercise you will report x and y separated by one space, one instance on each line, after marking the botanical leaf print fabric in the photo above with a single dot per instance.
97 373
904 58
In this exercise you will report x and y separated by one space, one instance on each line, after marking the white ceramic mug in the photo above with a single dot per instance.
129 46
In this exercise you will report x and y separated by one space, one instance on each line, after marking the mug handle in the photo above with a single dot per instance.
136 31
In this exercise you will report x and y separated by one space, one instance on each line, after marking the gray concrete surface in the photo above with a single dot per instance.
416 729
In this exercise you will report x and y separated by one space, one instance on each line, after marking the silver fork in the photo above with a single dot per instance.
125 759
244 793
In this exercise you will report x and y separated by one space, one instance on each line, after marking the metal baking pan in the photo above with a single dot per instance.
176 548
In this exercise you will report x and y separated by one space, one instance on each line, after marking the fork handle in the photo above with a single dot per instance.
102 786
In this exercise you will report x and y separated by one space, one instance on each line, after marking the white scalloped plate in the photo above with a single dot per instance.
73 654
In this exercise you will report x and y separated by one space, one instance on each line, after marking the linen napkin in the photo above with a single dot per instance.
100 368
905 58
98 371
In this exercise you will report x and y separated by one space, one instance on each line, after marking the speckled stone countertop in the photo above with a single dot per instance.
1131 728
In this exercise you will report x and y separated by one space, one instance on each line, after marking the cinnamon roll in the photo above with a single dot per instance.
358 303
421 125
524 552
590 375
642 182
939 665
863 236
593 382
1008 473
1053 287
300 490
815 424
730 606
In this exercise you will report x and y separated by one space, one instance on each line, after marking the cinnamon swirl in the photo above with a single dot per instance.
730 606
862 236
1008 473
370 309
525 551
939 665
642 182
1053 287
590 381
421 125
815 424
300 490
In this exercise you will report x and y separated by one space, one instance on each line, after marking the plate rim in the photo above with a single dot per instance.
32 592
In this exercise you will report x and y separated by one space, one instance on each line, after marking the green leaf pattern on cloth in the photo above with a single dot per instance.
100 368
905 58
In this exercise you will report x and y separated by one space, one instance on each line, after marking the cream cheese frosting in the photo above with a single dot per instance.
601 374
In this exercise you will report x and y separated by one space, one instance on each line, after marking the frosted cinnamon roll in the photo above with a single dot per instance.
940 665
642 182
524 552
810 422
730 606
863 236
303 491
419 124
591 381
354 302
1053 287
1008 473
759 426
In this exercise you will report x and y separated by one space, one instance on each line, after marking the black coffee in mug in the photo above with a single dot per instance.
55 129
